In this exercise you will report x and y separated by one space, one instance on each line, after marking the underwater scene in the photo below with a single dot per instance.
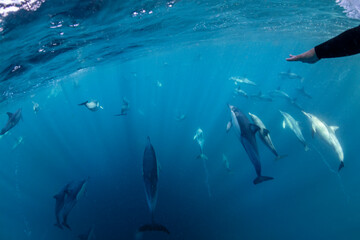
177 120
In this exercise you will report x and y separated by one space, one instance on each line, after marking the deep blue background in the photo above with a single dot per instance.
63 142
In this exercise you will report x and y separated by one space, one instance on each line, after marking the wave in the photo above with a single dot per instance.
352 8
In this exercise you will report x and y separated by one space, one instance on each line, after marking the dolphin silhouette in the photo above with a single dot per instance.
14 118
151 176
246 132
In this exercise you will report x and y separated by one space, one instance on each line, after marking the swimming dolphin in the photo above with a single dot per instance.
240 92
59 205
264 135
18 141
180 117
14 118
151 175
246 133
92 105
294 126
327 133
89 235
36 107
240 80
199 137
74 191
281 94
124 107
291 75
261 97
303 92
226 163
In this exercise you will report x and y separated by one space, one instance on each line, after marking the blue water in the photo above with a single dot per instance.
175 58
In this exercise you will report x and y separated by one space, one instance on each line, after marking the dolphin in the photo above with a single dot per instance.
238 91
59 205
303 92
294 126
14 118
265 135
92 105
124 108
180 117
36 107
199 137
18 141
151 175
88 235
239 80
291 75
261 97
74 191
327 133
281 94
226 163
246 133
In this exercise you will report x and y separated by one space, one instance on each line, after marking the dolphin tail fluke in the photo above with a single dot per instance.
341 166
58 225
153 227
261 179
278 157
306 148
80 104
66 225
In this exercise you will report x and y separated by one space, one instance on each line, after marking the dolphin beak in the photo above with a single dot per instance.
306 114
230 106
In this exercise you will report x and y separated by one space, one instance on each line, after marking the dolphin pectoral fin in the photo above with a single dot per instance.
341 166
254 128
9 114
228 126
283 124
312 133
261 179
334 128
153 227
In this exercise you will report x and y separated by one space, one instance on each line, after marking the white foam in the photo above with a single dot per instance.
352 8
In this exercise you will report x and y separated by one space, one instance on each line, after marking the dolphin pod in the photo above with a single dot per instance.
150 177
66 200
327 133
246 133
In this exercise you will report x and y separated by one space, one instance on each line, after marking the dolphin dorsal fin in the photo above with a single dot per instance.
9 114
254 128
334 128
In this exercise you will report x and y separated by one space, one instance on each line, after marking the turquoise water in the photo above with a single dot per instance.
170 59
